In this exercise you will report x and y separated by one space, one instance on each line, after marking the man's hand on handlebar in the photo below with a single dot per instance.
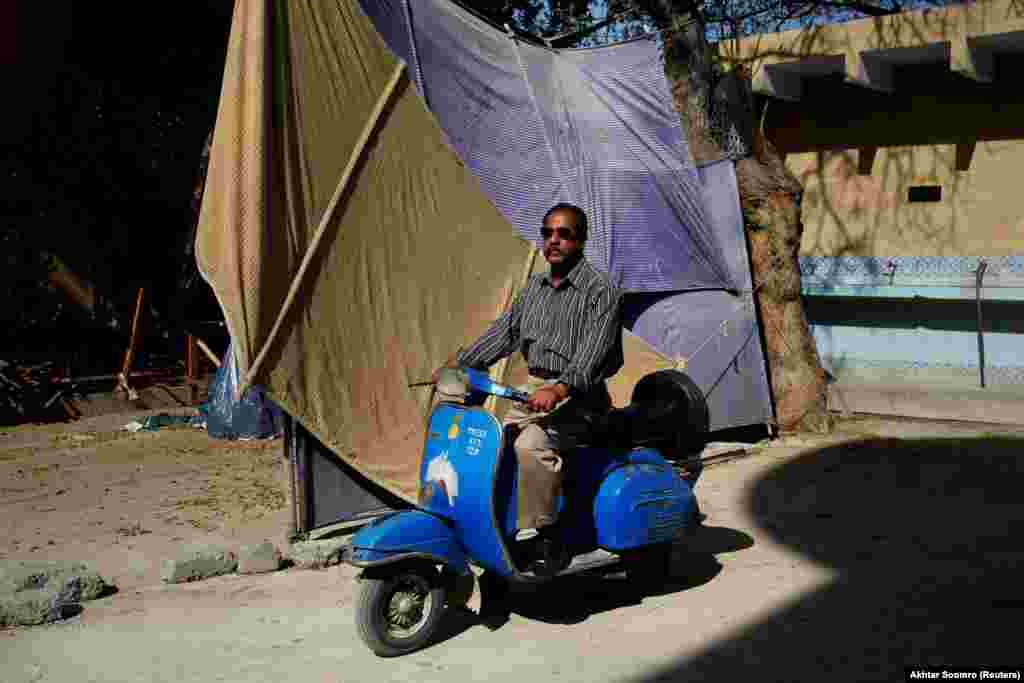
545 399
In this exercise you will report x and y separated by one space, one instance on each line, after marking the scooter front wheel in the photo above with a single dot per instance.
399 612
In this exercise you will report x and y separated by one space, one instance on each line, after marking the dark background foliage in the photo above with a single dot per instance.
108 106
107 110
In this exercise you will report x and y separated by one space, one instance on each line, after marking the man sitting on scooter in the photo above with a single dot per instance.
567 324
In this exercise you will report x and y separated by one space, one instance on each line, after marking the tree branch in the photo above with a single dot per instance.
798 12
862 7
583 33
740 18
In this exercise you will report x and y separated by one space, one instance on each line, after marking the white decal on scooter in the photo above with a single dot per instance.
441 471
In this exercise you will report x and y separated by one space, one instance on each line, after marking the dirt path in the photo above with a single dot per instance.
893 544
123 501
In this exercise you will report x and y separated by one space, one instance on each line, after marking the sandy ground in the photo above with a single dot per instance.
890 544
123 501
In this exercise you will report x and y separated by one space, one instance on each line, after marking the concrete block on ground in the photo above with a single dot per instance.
258 559
198 562
23 575
35 606
317 554
137 568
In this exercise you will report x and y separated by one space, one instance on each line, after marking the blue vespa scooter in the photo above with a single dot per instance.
623 498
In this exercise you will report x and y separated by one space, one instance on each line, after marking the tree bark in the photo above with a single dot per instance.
720 115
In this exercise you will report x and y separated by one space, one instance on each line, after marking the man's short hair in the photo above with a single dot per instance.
579 214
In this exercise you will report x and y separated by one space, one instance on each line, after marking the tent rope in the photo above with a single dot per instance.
501 369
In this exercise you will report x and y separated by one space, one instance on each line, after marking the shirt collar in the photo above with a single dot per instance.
576 276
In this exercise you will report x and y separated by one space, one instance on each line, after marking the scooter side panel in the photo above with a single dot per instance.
641 503
584 470
457 480
411 533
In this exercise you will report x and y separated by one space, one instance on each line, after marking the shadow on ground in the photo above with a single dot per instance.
927 538
574 598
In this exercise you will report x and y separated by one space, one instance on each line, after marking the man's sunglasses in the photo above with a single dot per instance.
563 233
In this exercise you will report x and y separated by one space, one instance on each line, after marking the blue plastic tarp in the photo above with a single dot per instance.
230 416
592 127
597 127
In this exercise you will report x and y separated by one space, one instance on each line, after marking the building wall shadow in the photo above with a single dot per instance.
926 537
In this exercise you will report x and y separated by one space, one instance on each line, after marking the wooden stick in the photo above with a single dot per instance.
130 352
81 292
206 349
299 482
135 328
371 125
291 524
100 378
190 368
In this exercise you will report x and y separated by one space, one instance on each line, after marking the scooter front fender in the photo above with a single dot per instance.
407 535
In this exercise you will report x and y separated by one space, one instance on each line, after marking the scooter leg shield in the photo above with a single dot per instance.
407 535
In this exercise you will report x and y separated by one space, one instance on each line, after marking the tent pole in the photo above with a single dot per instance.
502 367
291 524
368 129
206 350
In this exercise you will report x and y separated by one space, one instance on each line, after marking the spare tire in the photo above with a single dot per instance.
675 391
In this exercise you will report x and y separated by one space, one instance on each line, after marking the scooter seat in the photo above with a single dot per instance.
667 411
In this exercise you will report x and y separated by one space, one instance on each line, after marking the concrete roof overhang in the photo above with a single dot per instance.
875 69
873 82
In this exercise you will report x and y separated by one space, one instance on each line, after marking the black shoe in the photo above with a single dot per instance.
495 608
551 556
698 517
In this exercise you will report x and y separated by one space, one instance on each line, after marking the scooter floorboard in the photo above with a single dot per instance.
593 560
581 563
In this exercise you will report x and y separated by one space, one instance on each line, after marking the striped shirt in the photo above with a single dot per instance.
572 333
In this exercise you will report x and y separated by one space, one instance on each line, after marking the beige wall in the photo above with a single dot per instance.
954 27
911 85
981 212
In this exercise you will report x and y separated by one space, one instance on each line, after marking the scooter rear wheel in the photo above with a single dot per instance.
399 612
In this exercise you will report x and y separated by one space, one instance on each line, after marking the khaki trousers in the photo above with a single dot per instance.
541 440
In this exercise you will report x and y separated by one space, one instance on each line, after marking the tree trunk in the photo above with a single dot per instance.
721 117
773 226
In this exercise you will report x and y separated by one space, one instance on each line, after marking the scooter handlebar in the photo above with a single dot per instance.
463 380
512 394
481 381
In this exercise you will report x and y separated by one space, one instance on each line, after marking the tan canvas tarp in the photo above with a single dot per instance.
350 249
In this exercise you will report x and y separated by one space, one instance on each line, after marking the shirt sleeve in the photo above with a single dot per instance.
500 340
603 331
